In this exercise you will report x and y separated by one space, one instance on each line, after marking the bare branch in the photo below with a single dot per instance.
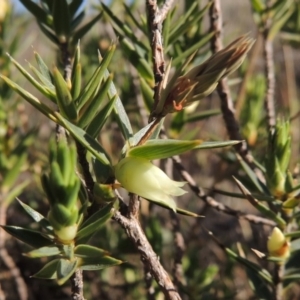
155 28
77 285
164 10
227 106
148 256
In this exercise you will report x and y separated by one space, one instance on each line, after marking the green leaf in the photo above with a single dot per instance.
258 285
187 23
98 263
92 108
252 176
48 271
36 216
95 222
216 144
31 99
94 83
65 269
123 28
46 77
137 61
99 120
64 99
120 113
159 149
204 40
37 11
86 140
49 93
74 6
27 236
61 20
48 33
76 74
44 251
138 25
258 270
86 28
86 251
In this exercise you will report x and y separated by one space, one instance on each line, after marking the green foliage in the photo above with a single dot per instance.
99 104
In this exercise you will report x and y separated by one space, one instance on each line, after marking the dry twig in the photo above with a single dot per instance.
227 106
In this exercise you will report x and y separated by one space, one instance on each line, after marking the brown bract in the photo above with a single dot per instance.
201 81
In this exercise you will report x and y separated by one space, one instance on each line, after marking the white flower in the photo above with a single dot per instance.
141 177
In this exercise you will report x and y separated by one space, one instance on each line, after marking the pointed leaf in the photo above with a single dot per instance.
99 120
93 224
48 271
98 263
65 269
31 99
44 251
37 11
64 99
86 28
86 140
93 106
61 20
86 251
36 216
50 94
44 71
159 149
27 236
94 83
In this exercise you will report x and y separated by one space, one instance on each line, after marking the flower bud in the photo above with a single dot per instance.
201 81
278 245
141 177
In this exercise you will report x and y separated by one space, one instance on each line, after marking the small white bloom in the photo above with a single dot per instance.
141 177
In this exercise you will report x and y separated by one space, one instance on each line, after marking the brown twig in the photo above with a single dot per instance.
227 106
270 76
148 282
155 19
148 256
77 285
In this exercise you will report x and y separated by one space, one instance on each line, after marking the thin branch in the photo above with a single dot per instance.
164 10
270 76
148 256
227 106
77 285
155 29
149 287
